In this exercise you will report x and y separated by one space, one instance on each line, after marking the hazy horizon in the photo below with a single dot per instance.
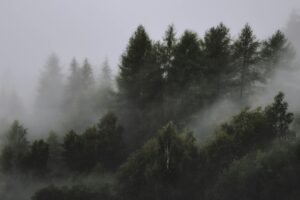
32 30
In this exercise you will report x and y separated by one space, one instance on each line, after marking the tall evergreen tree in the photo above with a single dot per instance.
279 117
168 48
246 58
72 93
105 93
79 97
276 53
55 161
49 97
140 82
186 67
137 64
73 84
87 76
37 158
217 54
15 148
106 79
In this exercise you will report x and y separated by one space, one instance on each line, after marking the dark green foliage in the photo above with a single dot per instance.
279 118
140 84
167 50
183 78
248 131
161 81
55 162
217 55
276 53
37 158
98 144
15 148
78 192
267 175
7 156
110 136
160 167
19 156
246 57
49 193
186 67
140 74
73 147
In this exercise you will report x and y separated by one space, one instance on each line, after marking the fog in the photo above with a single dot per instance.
31 30
60 65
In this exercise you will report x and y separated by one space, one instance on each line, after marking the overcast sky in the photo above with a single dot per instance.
30 30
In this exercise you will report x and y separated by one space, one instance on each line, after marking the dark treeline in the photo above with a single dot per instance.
141 148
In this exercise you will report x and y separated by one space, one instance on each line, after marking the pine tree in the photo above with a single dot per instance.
217 55
74 79
186 67
37 158
87 76
105 93
276 53
79 97
135 63
167 49
246 59
55 162
16 146
112 145
279 117
49 97
106 79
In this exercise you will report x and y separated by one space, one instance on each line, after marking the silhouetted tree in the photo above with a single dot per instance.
55 161
217 55
186 68
140 73
37 158
246 57
101 144
276 53
16 146
279 117
73 148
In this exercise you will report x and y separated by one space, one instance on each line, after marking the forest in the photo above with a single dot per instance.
138 135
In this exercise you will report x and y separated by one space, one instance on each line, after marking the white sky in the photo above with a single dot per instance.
32 29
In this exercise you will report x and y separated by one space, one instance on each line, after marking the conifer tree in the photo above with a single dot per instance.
276 53
49 97
186 67
217 58
137 64
16 147
246 59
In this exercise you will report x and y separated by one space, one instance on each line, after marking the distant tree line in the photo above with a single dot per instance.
99 144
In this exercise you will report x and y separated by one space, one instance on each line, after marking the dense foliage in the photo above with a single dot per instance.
140 148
